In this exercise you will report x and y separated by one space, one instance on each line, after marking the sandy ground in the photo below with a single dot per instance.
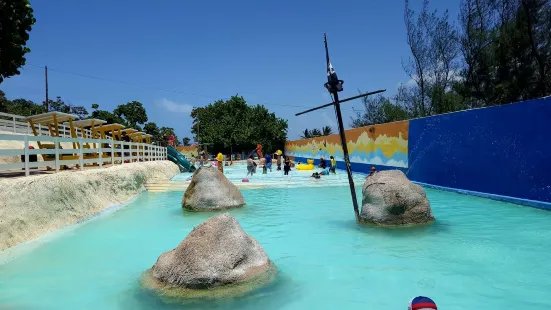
35 205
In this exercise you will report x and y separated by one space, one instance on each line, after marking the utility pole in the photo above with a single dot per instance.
46 74
334 86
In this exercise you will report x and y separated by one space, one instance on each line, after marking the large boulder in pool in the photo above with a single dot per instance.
210 190
389 198
216 258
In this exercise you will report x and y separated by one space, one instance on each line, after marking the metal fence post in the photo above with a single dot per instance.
100 153
81 157
13 121
27 172
56 155
122 152
113 153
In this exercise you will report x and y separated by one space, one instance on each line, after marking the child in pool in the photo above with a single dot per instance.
316 175
324 172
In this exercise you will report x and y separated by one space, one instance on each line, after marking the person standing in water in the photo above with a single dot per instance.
220 159
278 161
251 166
333 167
268 162
286 165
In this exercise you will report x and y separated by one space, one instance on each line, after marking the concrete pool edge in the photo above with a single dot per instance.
28 246
38 205
519 201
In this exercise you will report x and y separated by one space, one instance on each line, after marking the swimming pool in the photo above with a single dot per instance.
479 254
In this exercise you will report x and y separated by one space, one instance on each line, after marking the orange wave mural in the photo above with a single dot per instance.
384 144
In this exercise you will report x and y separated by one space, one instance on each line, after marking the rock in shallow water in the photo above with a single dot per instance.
389 198
215 255
210 190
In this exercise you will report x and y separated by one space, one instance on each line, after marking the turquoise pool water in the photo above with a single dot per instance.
479 254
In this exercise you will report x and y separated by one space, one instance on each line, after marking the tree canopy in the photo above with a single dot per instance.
499 53
16 21
60 106
132 113
310 133
232 124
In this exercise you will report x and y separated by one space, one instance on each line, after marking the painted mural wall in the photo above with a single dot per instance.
503 150
379 145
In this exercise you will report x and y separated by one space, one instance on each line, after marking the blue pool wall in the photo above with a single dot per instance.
501 152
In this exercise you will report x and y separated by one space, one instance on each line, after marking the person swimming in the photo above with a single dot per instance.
373 171
422 303
324 172
316 175
322 164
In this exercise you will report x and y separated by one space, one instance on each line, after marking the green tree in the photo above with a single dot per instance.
186 141
152 129
20 106
24 107
133 113
165 133
16 21
315 132
378 110
59 105
107 116
432 66
326 131
234 125
306 134
506 48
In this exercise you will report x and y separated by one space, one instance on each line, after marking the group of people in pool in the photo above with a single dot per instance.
326 170
266 164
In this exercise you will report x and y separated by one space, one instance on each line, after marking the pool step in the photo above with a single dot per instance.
159 186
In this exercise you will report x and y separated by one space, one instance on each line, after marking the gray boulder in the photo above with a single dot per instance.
215 254
210 190
389 198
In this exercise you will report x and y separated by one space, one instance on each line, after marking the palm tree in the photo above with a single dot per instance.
315 132
327 130
306 134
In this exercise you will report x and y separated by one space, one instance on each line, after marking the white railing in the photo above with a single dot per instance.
18 124
96 154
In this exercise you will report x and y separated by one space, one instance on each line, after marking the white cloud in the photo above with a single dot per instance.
174 106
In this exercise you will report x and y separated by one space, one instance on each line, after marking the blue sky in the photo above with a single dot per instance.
173 55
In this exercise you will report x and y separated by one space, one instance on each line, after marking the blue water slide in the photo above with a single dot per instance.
179 159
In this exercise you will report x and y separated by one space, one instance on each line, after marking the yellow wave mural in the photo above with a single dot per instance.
384 144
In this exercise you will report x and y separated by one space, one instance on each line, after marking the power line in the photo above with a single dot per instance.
160 89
